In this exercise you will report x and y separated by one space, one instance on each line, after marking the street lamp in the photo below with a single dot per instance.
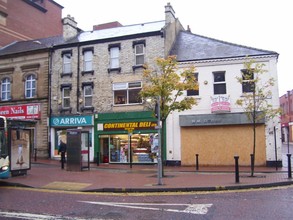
158 115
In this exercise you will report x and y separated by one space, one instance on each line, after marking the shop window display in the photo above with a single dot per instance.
141 146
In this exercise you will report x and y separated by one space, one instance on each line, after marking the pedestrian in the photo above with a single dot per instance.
62 150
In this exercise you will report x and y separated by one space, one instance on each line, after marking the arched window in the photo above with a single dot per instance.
5 89
30 86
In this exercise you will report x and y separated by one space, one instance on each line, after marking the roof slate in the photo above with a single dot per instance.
127 30
31 45
189 46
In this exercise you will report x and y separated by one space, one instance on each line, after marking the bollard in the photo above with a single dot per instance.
35 154
289 166
98 158
196 161
252 164
236 169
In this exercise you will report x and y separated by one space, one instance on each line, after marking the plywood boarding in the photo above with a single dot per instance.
217 145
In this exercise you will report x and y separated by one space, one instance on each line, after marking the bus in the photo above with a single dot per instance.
4 157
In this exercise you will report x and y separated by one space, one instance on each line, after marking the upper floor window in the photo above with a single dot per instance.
66 56
192 92
127 93
5 89
219 83
247 81
88 94
30 86
114 57
66 96
88 53
139 52
88 60
114 54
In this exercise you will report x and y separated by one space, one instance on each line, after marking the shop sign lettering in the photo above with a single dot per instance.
71 121
26 111
220 103
129 125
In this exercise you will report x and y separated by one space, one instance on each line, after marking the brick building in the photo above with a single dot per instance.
96 78
22 20
24 71
286 103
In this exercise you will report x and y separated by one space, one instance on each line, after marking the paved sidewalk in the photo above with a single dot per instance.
47 174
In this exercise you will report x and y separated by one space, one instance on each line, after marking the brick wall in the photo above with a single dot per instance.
25 22
103 93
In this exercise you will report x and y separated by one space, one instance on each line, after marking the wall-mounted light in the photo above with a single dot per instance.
205 82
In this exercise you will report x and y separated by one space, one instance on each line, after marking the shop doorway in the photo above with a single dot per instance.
104 150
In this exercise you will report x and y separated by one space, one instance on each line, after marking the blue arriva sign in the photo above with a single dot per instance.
71 121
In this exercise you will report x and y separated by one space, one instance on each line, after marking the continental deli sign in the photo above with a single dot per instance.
129 125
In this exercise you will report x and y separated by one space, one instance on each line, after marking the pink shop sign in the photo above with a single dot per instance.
220 104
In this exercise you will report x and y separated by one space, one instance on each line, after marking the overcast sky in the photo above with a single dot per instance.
262 24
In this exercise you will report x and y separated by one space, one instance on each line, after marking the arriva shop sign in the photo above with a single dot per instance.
69 121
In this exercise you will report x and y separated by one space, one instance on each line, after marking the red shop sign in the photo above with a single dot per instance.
26 111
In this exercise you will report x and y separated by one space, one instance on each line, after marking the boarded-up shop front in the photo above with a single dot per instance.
218 138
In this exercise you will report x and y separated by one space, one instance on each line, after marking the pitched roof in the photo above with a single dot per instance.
189 46
122 31
31 45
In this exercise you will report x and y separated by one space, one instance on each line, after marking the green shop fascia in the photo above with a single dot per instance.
126 137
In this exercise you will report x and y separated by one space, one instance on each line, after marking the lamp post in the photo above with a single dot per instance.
158 114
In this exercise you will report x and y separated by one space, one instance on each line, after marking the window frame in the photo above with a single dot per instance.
30 80
123 91
217 84
64 88
114 58
66 63
138 55
247 81
135 44
86 96
6 92
88 60
193 92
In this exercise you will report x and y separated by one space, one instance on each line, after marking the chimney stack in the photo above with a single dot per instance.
169 13
70 29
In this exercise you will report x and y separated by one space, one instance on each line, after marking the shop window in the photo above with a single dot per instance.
127 93
193 92
5 89
116 148
66 57
219 83
247 81
30 86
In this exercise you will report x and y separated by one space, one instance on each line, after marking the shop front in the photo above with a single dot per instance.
126 137
60 125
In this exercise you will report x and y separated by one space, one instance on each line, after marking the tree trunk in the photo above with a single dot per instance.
162 147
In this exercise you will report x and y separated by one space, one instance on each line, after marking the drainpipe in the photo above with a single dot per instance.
50 98
289 114
77 78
